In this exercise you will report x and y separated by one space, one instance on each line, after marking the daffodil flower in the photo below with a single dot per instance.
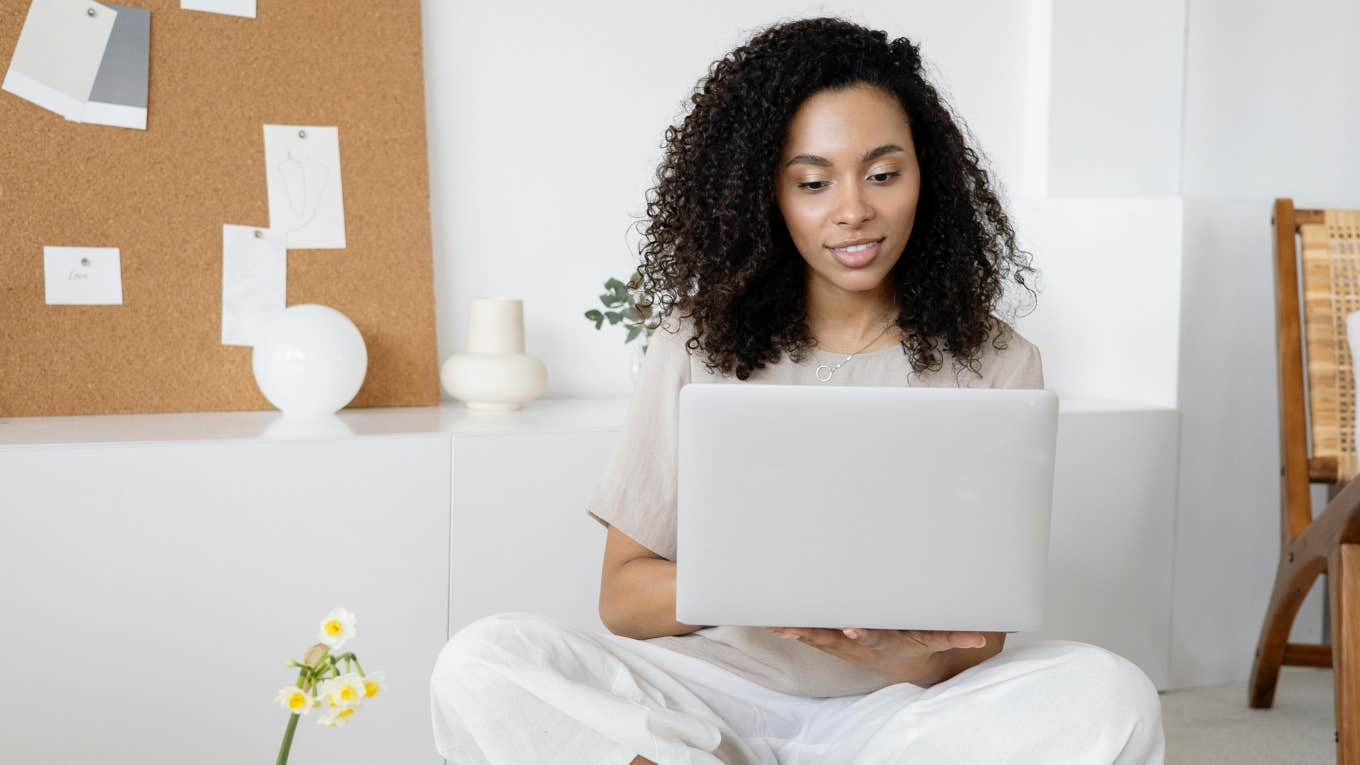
295 700
344 692
374 682
336 628
335 719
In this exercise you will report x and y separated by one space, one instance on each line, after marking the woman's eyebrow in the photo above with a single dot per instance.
869 156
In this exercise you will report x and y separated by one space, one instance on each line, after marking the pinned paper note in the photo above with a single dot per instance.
230 7
254 282
83 275
118 97
302 172
58 54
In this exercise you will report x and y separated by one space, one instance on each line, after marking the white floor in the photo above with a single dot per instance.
1215 725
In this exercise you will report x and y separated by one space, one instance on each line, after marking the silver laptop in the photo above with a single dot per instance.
856 506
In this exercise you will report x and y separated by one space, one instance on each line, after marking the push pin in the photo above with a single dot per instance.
302 134
259 234
89 12
85 262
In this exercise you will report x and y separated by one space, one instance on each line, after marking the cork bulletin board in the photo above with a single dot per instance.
162 196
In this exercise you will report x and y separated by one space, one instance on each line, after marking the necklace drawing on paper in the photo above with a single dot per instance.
304 184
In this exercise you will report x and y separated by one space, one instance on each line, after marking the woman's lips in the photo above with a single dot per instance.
857 259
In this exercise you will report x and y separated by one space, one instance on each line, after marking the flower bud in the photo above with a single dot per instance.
315 655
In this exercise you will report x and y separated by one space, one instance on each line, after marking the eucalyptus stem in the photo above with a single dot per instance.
287 740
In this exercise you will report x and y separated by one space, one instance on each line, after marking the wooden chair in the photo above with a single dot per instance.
1329 542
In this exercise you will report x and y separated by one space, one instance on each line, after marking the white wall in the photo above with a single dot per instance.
1115 265
1273 100
1115 105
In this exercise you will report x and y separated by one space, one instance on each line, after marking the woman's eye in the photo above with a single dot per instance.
817 185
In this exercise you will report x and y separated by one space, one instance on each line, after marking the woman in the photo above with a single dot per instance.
819 219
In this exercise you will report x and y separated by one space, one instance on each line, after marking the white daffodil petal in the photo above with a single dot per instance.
374 682
336 719
336 628
295 700
349 690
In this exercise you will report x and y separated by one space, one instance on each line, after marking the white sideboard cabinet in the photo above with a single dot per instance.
159 569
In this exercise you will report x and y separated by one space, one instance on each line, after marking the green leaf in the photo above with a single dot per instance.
631 314
613 317
613 284
596 317
612 301
633 332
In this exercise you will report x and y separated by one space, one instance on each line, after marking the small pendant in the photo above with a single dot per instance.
824 373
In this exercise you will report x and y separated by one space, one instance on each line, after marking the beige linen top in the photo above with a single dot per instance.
637 493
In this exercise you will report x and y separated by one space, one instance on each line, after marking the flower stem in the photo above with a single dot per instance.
287 740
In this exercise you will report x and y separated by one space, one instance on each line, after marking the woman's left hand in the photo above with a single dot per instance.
895 655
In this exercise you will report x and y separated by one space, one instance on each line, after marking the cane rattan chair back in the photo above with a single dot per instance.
1330 251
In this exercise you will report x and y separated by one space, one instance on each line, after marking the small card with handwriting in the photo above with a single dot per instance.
83 275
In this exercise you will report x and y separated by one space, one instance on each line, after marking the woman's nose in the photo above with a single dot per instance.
851 206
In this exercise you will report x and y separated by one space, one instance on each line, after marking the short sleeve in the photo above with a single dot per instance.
1028 372
637 492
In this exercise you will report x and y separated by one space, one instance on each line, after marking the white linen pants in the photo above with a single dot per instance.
522 689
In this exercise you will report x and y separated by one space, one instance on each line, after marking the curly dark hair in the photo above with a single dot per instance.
715 244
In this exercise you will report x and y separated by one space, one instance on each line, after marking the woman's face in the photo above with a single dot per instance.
848 173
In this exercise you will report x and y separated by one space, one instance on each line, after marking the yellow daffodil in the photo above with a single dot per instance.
336 718
295 700
344 692
336 628
374 682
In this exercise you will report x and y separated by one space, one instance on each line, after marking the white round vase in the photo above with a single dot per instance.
311 360
494 373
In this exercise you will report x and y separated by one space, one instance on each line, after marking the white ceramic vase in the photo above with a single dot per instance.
494 373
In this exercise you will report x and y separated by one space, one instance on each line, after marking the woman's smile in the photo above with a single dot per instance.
856 256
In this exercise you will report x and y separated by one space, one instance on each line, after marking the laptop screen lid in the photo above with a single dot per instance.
876 507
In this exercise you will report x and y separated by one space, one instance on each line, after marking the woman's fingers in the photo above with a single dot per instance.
967 639
860 644
836 643
944 640
868 638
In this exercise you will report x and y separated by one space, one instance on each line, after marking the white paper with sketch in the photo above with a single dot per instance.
244 8
58 54
302 172
83 276
254 282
